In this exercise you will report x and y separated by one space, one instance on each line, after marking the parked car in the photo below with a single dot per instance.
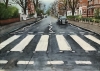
45 16
62 20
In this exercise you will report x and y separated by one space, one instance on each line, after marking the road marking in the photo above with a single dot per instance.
93 38
43 43
8 41
82 43
40 32
62 43
3 61
62 32
30 32
71 32
25 62
55 62
50 28
23 43
82 33
83 62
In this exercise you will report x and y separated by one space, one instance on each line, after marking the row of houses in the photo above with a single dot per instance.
30 7
85 8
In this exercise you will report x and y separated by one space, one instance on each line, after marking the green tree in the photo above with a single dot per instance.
9 12
48 12
6 2
97 13
23 4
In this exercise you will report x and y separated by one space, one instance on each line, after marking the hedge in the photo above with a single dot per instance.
78 18
9 12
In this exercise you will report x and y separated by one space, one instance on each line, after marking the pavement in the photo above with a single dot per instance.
94 27
48 46
15 26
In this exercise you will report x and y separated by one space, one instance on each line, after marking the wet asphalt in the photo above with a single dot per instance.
49 26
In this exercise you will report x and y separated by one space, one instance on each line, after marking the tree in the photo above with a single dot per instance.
97 13
23 4
6 2
36 4
72 4
65 4
48 12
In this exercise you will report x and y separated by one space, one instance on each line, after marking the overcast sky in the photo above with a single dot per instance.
47 2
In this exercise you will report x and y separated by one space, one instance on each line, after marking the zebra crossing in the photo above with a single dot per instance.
82 43
93 38
8 41
23 43
62 43
42 45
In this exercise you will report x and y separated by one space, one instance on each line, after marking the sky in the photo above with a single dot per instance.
47 2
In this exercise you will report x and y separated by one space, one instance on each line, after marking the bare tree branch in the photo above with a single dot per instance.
73 5
22 3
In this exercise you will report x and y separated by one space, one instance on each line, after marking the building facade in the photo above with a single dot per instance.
61 7
82 8
93 6
31 9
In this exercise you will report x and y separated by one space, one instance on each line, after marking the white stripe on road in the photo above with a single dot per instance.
93 38
23 43
55 62
43 43
82 43
25 62
83 62
8 41
3 61
62 43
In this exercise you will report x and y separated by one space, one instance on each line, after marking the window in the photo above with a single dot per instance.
80 0
95 1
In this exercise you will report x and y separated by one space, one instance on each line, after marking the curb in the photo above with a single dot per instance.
32 22
85 29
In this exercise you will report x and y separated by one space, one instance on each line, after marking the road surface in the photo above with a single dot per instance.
48 46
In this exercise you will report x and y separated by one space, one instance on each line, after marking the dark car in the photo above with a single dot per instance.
62 20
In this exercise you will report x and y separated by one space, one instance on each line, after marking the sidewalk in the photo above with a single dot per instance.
88 26
15 26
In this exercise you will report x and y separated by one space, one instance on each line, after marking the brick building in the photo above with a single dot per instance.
92 7
62 10
61 7
82 6
31 9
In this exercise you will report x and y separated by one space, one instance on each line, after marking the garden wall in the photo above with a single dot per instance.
8 21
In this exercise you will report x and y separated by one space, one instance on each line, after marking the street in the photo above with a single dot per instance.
48 46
